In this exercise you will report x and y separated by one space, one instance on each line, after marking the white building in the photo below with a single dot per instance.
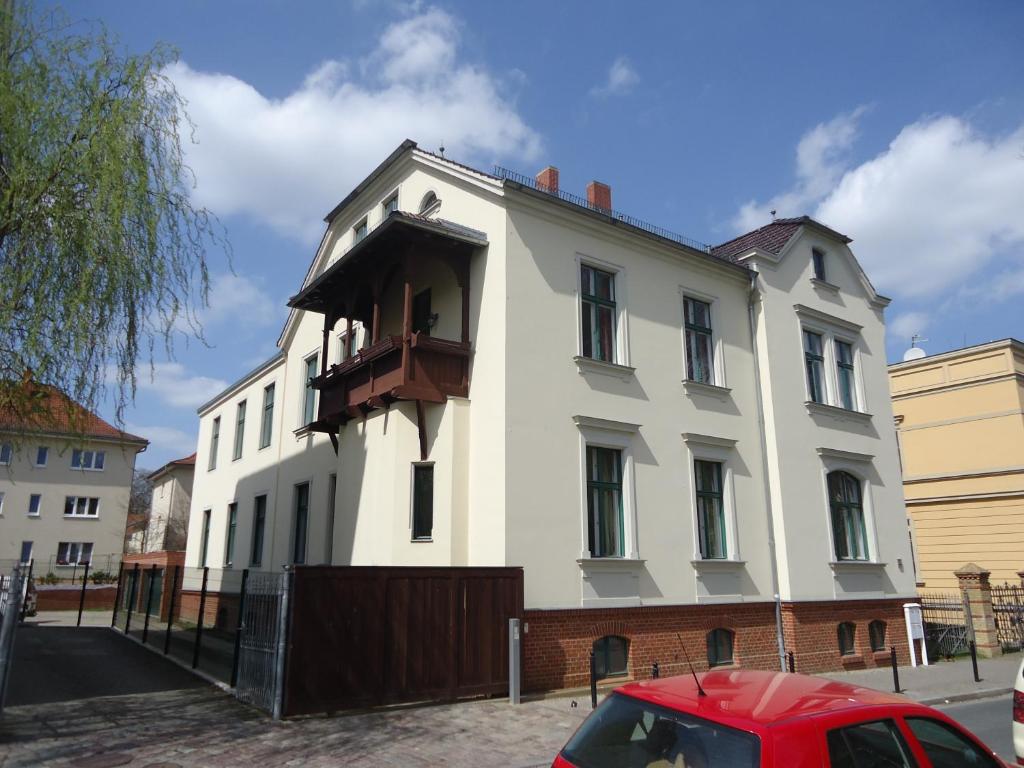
65 482
165 527
665 436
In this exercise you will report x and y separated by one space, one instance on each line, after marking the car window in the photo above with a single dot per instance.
628 733
946 747
878 744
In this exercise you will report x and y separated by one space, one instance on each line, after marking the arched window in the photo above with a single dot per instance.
611 655
848 530
429 204
876 633
719 647
847 634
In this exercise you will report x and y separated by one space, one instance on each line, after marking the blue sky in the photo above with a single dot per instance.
901 124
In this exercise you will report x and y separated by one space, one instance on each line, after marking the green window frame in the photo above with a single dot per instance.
259 521
720 643
309 399
422 502
605 520
205 541
214 444
611 656
844 375
598 317
846 635
239 430
267 427
876 634
849 532
699 348
229 547
711 527
814 360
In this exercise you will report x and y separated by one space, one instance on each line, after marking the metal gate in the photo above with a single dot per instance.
946 627
12 592
1008 608
261 645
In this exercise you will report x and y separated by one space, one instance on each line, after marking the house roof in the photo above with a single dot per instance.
53 412
771 237
187 461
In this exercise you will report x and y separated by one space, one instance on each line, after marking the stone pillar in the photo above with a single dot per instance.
978 599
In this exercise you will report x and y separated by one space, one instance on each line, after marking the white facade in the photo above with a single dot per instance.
510 483
166 526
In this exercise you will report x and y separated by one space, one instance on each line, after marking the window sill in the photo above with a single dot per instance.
36 514
856 565
836 412
610 563
589 365
691 388
427 540
824 285
722 564
77 517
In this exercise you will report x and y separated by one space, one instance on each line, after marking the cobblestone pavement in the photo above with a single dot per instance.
206 727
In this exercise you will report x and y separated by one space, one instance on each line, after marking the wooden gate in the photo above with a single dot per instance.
364 636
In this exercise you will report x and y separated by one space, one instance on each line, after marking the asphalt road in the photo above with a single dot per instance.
989 720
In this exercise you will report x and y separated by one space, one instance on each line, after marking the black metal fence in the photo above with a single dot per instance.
946 625
1008 609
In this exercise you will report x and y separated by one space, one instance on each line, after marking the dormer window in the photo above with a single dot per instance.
359 231
429 204
389 205
818 257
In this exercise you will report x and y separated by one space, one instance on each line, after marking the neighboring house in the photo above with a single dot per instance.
65 480
960 421
480 369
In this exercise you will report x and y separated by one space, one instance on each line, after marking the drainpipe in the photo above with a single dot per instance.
774 562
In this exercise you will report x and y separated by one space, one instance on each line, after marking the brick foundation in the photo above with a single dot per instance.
557 643
219 612
67 598
165 559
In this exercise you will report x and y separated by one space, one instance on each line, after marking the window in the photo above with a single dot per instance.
42 454
611 656
815 366
945 747
597 289
699 351
204 543
259 519
309 402
422 501
34 502
239 429
5 454
604 502
846 634
267 427
876 633
214 443
429 204
421 317
301 523
877 743
848 530
347 345
81 506
844 375
710 510
391 204
359 231
719 647
74 553
818 257
229 549
82 459
26 552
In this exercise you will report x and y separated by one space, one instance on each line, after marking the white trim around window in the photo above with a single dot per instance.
831 330
722 451
617 435
718 377
621 330
861 467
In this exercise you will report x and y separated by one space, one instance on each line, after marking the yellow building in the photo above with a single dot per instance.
960 421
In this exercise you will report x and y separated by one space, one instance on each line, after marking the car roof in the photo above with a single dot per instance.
758 698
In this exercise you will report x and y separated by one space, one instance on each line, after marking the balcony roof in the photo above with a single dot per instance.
397 232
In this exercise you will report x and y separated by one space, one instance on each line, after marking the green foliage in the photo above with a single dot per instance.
102 253
102 577
50 578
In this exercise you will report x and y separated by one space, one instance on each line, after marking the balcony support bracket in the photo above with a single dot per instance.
421 425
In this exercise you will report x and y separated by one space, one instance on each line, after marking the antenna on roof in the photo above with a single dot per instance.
700 691
441 149
773 214
915 352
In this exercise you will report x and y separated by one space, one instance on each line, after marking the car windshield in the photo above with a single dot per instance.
628 733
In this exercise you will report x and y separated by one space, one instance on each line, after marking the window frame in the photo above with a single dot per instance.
852 649
44 451
78 547
392 198
6 454
593 523
309 393
591 305
851 368
429 203
258 535
721 451
715 377
267 416
75 502
715 634
35 500
817 359
600 648
230 534
214 443
877 647
416 466
620 327
204 541
360 230
298 537
240 414
851 506
604 433
97 460
818 267
719 496
899 739
831 330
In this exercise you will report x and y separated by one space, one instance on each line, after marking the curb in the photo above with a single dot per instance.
986 693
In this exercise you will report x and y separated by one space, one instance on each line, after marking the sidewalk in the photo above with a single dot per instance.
942 682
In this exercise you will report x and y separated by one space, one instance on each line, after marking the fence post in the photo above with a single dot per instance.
117 594
282 643
972 646
239 626
149 603
977 594
170 611
792 661
199 619
593 681
24 589
81 599
134 577
895 669
8 627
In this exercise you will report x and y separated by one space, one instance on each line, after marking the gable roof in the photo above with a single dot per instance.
772 237
187 461
53 412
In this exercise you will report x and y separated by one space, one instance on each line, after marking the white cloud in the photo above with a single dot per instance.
165 439
621 79
236 296
288 161
903 326
939 208
173 384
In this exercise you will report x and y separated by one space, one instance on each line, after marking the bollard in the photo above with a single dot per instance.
170 611
974 660
514 662
149 603
593 681
81 598
199 619
117 594
655 671
895 670
792 661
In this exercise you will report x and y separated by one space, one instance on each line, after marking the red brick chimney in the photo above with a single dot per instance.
599 195
547 180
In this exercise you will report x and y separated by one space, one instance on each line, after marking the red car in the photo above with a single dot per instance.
752 719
